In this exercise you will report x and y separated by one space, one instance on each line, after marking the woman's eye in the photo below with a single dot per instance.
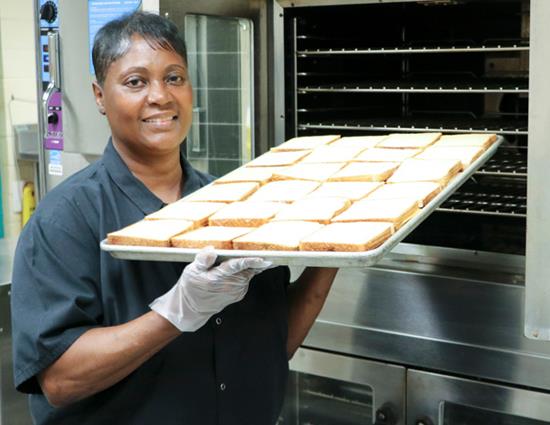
134 82
176 79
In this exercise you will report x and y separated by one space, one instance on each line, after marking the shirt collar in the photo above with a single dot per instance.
134 189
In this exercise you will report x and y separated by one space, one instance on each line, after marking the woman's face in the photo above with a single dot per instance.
147 99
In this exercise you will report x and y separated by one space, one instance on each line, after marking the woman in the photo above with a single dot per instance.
99 340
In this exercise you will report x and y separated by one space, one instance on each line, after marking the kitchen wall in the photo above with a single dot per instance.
17 102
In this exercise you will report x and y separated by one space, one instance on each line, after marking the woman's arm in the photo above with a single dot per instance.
101 357
306 298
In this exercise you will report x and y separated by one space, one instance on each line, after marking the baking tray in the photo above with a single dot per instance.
309 258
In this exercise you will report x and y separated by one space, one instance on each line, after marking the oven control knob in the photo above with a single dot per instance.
48 12
53 118
385 415
423 421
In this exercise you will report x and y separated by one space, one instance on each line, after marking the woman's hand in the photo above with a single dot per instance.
204 290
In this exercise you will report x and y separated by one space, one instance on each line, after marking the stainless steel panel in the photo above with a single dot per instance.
439 319
277 84
387 381
13 405
7 248
85 130
537 294
428 392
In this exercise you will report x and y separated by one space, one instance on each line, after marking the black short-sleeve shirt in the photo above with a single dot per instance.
231 371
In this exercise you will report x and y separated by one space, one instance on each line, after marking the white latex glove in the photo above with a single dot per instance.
203 290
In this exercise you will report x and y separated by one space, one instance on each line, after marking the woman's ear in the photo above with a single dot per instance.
98 94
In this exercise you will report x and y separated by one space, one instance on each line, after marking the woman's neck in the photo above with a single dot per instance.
161 174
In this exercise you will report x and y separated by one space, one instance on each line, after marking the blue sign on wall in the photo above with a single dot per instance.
102 11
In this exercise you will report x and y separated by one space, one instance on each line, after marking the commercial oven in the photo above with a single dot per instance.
455 317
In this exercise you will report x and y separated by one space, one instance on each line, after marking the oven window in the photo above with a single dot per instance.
315 400
456 414
220 60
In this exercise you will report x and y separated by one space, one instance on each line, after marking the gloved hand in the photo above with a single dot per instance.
203 290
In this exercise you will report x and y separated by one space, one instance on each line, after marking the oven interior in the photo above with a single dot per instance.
449 66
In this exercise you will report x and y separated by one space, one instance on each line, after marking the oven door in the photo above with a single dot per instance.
227 60
325 388
444 400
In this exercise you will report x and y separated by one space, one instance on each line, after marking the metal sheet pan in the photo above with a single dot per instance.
303 258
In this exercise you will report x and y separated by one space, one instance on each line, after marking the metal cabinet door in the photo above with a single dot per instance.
444 400
325 388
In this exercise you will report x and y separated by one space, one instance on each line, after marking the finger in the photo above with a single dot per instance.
257 263
205 258
237 265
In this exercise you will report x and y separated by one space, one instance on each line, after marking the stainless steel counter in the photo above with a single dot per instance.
13 405
7 249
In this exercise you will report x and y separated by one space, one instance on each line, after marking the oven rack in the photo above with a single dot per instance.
481 203
481 85
410 50
507 162
480 125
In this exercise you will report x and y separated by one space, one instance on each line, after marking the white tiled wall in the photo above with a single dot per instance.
17 99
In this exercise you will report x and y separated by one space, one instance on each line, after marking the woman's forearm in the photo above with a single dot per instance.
306 299
101 357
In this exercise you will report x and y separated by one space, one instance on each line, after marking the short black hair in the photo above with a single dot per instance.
113 40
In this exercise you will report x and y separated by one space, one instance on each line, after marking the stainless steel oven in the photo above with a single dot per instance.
453 327
438 399
465 297
327 388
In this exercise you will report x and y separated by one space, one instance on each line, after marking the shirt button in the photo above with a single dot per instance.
218 320
222 386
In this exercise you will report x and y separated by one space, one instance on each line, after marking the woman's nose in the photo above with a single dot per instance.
158 93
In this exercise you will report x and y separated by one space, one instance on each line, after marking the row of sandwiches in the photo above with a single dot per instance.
314 193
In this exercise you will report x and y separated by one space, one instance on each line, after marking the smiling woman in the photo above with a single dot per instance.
99 340
147 98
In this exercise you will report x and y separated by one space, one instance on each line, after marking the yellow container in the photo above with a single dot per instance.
29 203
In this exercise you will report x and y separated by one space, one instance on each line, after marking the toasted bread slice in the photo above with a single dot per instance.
320 210
216 236
330 154
409 140
259 175
363 141
347 237
365 171
278 159
471 139
284 191
246 214
197 212
311 172
466 154
277 235
229 192
386 155
422 192
149 232
425 170
305 143
395 211
347 190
